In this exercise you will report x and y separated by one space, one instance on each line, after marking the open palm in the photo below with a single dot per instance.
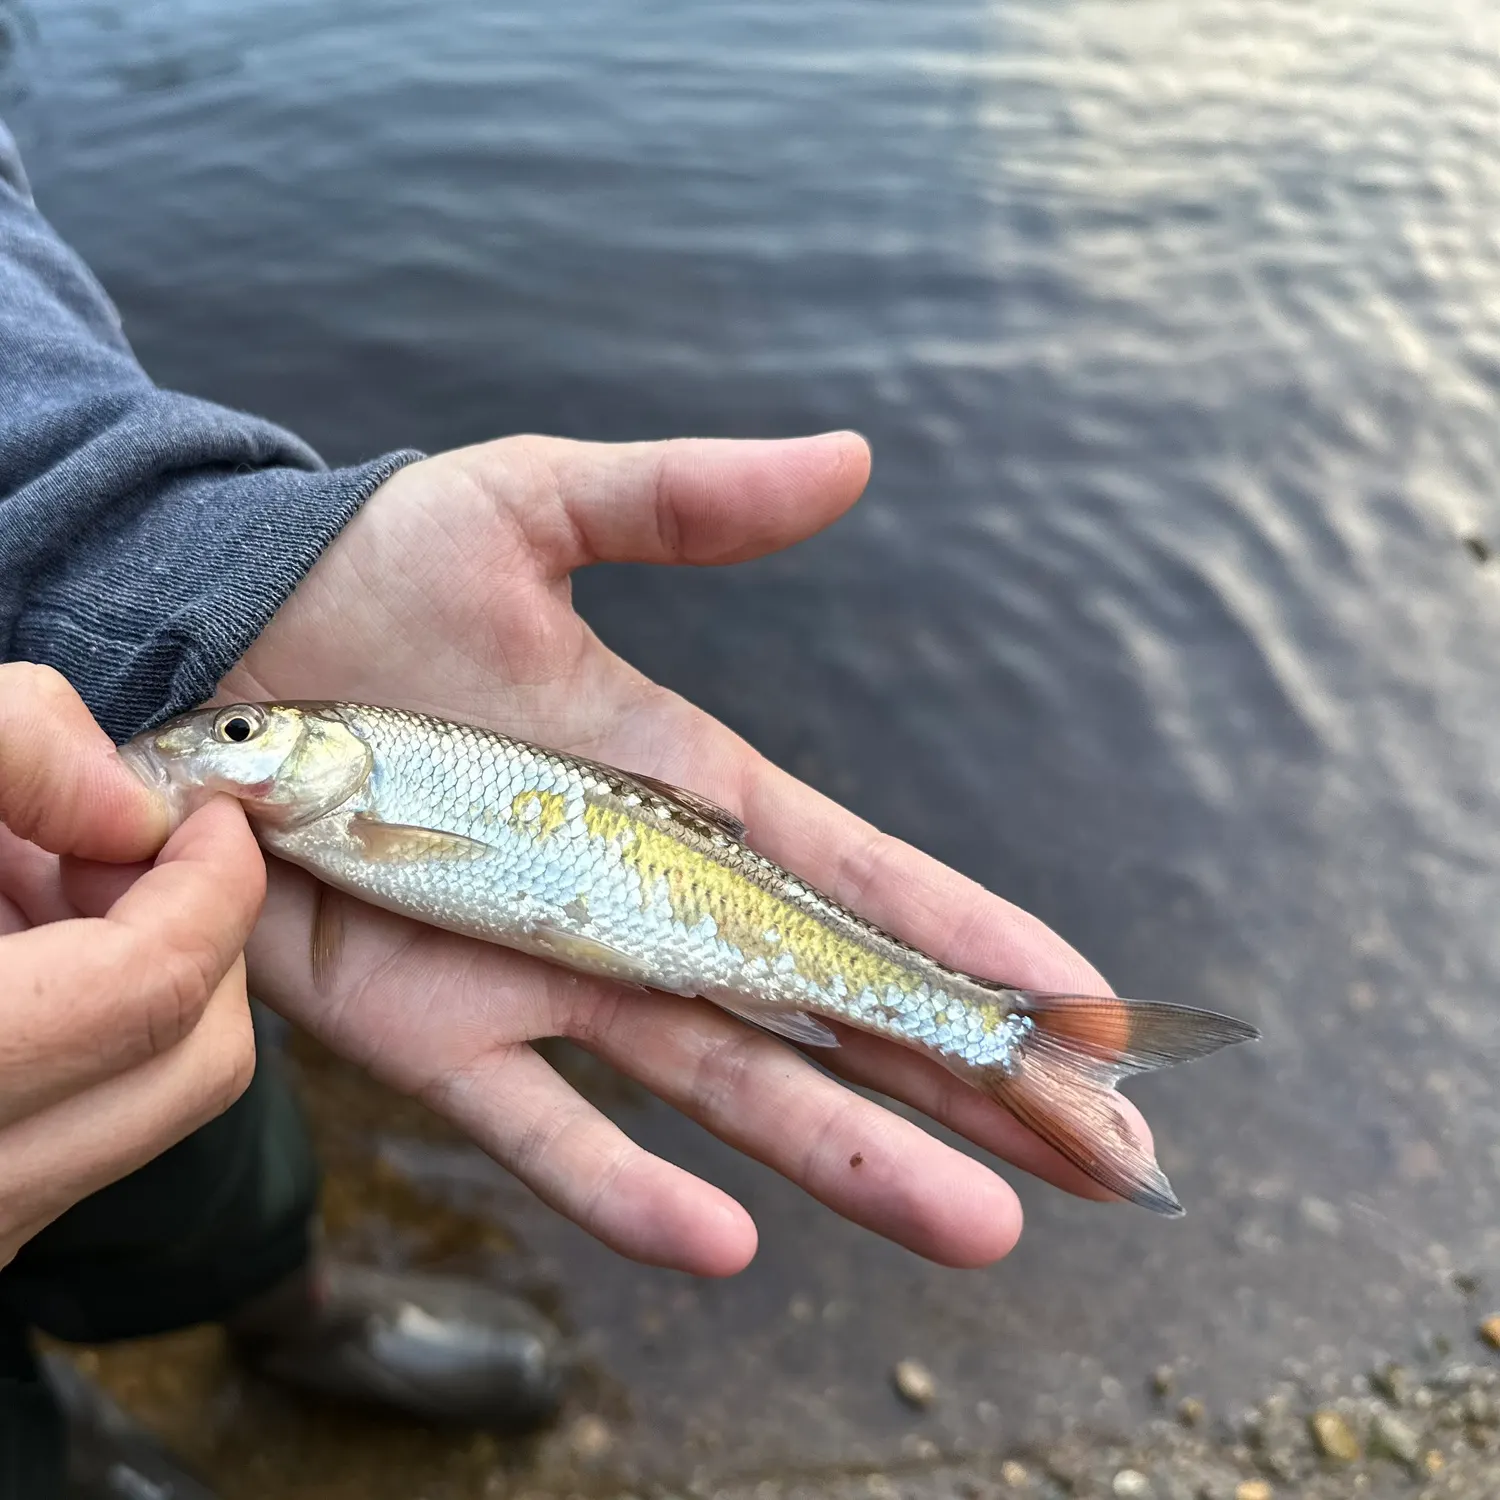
450 594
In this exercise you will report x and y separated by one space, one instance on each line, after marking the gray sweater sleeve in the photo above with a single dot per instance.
146 537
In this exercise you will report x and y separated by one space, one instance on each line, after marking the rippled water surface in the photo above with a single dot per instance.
1176 330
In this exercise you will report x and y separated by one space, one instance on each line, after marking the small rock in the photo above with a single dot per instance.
879 1487
1252 1489
590 1437
1391 1436
1466 1283
1014 1474
1334 1437
1320 1215
1489 1330
1130 1484
1479 1408
914 1383
1190 1411
1280 1464
923 1449
1393 1383
1432 1461
1478 548
1164 1380
1066 1470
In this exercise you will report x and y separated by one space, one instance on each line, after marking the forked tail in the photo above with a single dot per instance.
1062 1083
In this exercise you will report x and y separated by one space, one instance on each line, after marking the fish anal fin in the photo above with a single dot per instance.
795 1025
395 842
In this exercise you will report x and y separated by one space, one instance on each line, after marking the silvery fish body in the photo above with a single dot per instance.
617 874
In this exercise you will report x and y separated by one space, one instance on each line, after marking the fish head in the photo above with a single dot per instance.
287 763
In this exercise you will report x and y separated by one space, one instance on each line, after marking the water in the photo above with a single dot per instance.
1176 331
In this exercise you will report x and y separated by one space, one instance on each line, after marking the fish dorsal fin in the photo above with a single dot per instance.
709 815
395 842
720 819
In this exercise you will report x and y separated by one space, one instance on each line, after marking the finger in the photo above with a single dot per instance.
885 881
888 882
61 783
446 1019
588 1169
93 997
923 1084
51 1159
766 1100
426 1004
690 500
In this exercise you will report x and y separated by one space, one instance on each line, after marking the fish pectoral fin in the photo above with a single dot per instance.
392 842
794 1025
589 955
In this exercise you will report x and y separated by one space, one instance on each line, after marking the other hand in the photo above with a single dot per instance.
124 1031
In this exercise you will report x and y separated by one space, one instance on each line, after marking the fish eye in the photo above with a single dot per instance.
238 724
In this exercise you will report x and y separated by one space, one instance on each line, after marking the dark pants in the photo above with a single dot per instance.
223 1215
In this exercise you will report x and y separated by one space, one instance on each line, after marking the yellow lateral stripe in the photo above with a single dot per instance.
753 920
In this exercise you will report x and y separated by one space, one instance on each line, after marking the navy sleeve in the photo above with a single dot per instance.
146 537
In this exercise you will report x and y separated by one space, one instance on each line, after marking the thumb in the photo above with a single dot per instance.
62 786
697 501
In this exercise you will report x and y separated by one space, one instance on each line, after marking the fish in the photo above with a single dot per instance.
614 873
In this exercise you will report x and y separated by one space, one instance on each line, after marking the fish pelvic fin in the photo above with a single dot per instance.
1062 1083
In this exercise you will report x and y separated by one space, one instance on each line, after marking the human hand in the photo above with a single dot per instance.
450 594
126 1030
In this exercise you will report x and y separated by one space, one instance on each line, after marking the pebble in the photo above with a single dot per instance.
1391 1436
1393 1383
1489 1330
914 1383
1190 1412
1164 1381
1319 1215
1130 1484
1252 1489
1334 1437
590 1437
1014 1474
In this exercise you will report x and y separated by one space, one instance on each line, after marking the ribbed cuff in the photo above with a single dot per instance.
148 620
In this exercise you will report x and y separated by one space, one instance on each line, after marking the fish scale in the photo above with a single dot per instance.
617 874
580 879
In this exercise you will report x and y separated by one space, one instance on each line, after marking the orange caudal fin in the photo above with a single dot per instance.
1062 1083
